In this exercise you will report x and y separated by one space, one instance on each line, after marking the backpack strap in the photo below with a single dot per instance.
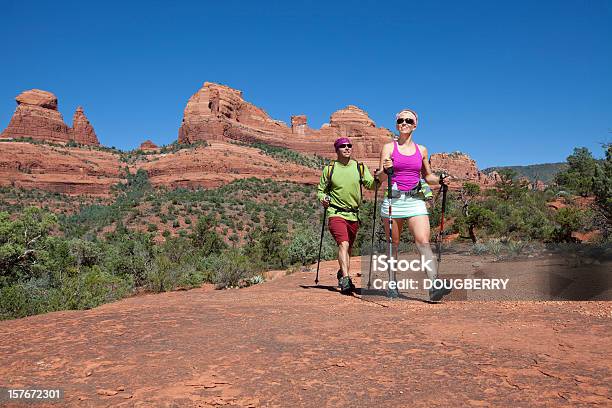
361 170
330 173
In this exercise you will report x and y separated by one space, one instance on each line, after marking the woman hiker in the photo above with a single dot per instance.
409 161
339 191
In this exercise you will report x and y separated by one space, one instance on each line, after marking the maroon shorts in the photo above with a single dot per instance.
343 230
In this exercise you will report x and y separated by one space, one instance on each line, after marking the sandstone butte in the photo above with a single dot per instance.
148 146
37 117
217 114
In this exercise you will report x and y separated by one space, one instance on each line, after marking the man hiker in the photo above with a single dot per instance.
339 191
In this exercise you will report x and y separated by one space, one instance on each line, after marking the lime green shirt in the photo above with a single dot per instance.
345 191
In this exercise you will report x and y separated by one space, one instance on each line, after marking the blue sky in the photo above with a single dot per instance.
508 83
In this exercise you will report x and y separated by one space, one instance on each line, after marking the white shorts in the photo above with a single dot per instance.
403 207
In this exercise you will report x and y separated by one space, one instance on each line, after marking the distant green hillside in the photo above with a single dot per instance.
545 172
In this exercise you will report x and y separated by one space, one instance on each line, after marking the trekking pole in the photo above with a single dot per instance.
373 230
321 245
389 197
444 189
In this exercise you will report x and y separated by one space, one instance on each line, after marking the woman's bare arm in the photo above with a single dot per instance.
428 175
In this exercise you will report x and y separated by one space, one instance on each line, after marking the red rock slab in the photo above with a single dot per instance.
65 170
221 163
78 171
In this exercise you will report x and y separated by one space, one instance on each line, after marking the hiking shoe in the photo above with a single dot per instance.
339 274
351 284
345 284
435 295
392 293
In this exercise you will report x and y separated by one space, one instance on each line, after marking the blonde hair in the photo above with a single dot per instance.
407 110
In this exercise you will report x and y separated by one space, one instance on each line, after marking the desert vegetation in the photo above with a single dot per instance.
60 252
284 154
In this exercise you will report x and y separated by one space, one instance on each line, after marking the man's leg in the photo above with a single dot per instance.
343 258
338 229
352 228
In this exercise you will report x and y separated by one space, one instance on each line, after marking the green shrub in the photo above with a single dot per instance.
568 220
90 289
129 254
229 268
23 243
163 274
15 302
205 238
303 248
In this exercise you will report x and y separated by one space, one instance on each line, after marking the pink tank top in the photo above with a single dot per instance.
406 169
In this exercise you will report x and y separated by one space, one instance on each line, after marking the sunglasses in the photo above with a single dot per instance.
342 146
408 121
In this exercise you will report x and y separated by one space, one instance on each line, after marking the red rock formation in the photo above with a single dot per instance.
215 113
37 97
218 112
462 168
220 163
37 117
58 169
538 185
82 131
589 236
80 170
299 123
351 116
148 145
556 204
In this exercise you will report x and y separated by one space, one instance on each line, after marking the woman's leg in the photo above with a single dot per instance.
419 228
396 232
398 225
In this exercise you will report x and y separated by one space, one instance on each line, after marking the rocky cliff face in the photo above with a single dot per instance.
37 117
218 164
463 168
79 171
148 145
82 131
218 112
65 170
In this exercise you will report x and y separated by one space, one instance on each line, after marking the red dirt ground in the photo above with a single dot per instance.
286 343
